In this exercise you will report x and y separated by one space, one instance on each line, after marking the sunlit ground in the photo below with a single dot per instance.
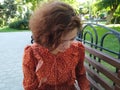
81 1
114 25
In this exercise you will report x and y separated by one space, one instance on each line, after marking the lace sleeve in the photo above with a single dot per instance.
80 70
30 81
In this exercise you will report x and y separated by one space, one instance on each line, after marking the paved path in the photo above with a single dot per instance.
11 51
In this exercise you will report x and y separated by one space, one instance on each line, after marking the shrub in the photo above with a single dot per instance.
1 22
102 16
21 24
116 20
86 17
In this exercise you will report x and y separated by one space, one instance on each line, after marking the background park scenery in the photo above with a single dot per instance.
15 33
15 14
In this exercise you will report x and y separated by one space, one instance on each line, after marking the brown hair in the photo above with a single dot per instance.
49 22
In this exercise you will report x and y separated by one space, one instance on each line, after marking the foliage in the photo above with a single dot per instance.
73 3
9 9
13 10
34 3
83 11
117 12
102 16
7 29
110 5
107 4
86 17
116 16
1 10
1 22
116 20
21 24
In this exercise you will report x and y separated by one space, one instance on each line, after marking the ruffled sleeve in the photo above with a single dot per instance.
30 81
80 70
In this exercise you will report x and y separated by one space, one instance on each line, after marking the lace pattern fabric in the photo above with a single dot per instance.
56 72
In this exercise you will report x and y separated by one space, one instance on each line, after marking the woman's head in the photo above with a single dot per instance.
51 22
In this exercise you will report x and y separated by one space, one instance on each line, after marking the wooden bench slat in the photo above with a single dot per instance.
98 79
117 87
93 83
102 69
119 73
103 56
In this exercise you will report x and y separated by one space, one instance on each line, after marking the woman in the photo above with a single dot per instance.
54 61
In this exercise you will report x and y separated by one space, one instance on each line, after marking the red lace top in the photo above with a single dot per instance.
56 72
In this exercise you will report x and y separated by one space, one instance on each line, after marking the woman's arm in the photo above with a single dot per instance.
30 81
80 70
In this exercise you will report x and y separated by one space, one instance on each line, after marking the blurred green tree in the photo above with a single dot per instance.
9 10
110 5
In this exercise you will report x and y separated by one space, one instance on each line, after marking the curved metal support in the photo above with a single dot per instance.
102 39
96 35
88 32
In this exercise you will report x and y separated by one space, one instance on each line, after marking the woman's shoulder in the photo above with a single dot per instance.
77 44
33 47
29 51
79 47
27 56
27 48
37 50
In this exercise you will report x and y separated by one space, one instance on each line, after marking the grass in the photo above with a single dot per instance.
7 29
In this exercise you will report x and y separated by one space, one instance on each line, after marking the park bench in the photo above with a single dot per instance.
101 61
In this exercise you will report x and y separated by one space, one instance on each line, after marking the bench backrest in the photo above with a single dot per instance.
102 64
100 76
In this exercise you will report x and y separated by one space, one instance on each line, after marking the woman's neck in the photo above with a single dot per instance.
54 52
